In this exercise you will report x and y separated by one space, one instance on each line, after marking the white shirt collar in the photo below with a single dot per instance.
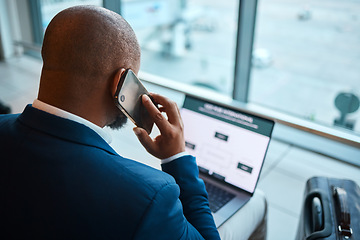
64 114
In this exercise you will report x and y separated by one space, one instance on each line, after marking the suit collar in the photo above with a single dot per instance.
64 114
63 128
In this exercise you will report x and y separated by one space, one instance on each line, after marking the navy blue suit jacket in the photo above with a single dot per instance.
61 180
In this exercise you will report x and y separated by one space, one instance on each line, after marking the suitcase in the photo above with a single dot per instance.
331 210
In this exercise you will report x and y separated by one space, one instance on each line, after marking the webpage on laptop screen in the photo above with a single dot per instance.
228 144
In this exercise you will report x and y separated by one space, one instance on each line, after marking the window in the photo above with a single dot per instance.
305 54
181 40
189 41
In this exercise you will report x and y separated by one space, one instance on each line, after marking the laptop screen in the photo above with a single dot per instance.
228 144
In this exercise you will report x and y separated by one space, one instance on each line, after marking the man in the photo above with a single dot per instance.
59 177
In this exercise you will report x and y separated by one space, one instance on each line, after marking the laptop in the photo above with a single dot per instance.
230 148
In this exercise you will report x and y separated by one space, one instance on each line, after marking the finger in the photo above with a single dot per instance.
168 106
155 114
180 118
144 139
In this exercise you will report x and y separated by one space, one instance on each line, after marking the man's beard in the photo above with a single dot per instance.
119 122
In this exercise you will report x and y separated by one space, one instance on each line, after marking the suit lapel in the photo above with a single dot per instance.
63 128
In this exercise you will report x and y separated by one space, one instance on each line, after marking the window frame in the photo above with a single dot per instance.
244 47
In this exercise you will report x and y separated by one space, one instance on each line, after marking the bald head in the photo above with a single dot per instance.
89 40
85 51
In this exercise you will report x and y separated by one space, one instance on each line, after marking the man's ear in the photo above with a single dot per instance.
115 81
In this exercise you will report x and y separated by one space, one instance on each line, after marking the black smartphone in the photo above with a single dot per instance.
128 99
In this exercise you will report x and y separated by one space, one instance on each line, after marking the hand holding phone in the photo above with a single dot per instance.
171 139
128 100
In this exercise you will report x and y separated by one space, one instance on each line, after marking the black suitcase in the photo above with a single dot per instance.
331 210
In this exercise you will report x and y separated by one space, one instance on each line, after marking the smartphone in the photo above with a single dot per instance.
128 99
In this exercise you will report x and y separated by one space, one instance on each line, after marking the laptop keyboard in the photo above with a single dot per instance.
217 197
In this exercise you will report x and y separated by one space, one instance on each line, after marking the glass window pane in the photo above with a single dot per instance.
49 8
305 54
190 41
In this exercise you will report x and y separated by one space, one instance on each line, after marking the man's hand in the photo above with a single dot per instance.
171 139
